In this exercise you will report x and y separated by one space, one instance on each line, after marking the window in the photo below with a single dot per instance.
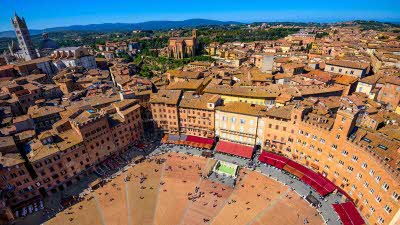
377 179
314 137
396 196
334 146
242 121
387 209
378 199
359 176
372 209
372 172
336 173
354 158
385 186
371 191
380 220
341 162
322 140
364 166
350 168
345 153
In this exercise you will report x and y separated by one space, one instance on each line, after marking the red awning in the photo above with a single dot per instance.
235 149
321 184
298 166
273 159
348 214
201 140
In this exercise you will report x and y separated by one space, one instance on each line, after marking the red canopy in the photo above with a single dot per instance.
298 166
235 149
321 184
273 159
348 214
201 140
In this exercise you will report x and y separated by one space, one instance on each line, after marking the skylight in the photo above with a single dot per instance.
382 147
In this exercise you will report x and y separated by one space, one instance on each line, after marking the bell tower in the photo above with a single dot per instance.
194 33
24 39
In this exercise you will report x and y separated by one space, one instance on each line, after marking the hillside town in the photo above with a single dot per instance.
325 98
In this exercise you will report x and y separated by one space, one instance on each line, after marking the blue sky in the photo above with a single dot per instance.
51 13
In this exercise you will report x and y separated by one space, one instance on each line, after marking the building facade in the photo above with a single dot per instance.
164 108
238 122
346 67
182 47
196 114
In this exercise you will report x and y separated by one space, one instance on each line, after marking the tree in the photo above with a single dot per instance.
320 35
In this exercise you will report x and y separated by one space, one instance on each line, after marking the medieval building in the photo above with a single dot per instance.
182 47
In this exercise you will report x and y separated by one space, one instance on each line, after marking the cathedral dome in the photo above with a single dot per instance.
48 43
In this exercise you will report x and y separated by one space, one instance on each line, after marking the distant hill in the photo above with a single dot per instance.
108 27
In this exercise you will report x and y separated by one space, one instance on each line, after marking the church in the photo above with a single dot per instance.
25 50
182 47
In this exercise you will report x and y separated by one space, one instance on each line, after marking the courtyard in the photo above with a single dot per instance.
171 186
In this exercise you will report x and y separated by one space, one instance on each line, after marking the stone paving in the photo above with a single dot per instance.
302 189
181 176
258 198
326 209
